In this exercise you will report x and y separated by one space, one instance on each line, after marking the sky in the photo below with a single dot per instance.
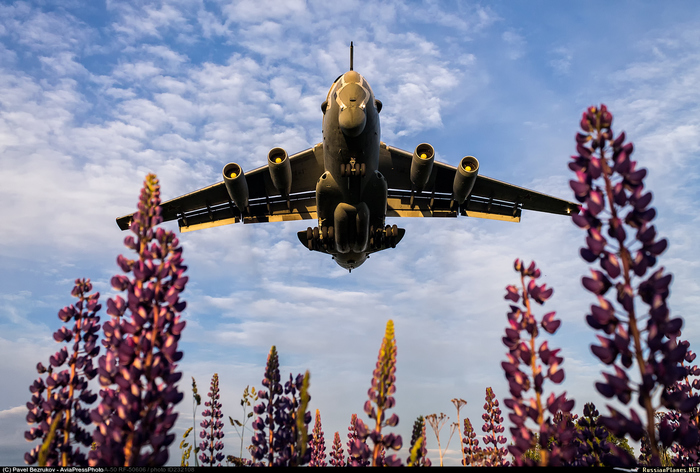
95 95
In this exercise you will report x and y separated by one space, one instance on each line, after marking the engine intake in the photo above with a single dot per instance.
280 170
236 185
465 177
422 165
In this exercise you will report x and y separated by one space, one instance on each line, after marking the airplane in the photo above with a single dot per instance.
350 183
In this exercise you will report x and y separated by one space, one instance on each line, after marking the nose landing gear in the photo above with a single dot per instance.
353 169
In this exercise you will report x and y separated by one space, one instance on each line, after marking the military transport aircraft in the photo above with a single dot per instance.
351 182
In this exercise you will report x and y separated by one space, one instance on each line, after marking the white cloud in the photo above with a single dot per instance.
78 135
561 62
516 44
137 22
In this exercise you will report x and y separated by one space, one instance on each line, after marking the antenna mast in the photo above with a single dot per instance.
351 55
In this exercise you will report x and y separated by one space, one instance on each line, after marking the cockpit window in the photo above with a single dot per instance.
345 99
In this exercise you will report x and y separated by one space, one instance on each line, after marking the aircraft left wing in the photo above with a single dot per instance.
212 206
490 198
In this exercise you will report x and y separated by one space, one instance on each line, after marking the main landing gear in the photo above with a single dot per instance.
320 239
383 237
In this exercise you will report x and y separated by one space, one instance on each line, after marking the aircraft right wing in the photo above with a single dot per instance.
212 206
490 198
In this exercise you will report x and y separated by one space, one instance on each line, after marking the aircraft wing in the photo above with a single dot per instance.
490 198
212 206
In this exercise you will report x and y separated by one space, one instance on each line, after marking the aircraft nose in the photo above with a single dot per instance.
352 121
352 114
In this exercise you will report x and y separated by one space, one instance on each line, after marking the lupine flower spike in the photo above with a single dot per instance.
685 450
138 373
418 454
337 457
358 450
617 218
470 446
282 433
593 448
493 428
62 399
318 444
381 400
212 428
524 372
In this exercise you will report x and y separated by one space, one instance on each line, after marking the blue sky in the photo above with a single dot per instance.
94 95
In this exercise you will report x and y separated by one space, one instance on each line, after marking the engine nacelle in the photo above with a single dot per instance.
465 177
422 165
236 185
280 170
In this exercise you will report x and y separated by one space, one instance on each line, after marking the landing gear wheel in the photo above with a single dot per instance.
362 169
331 232
310 244
324 232
309 233
394 231
388 238
315 231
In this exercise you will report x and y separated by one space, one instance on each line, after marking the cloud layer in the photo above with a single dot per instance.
92 99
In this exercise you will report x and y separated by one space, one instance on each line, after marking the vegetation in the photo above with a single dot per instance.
132 423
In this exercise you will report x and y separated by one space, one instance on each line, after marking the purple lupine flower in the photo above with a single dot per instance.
337 457
358 450
680 429
296 389
282 432
380 394
472 452
262 440
212 427
138 371
418 454
318 444
522 331
63 396
591 443
611 189
495 455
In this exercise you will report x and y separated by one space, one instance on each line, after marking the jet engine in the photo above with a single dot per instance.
236 185
280 170
465 177
422 165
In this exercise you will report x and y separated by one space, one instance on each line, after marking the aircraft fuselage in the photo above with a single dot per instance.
351 195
